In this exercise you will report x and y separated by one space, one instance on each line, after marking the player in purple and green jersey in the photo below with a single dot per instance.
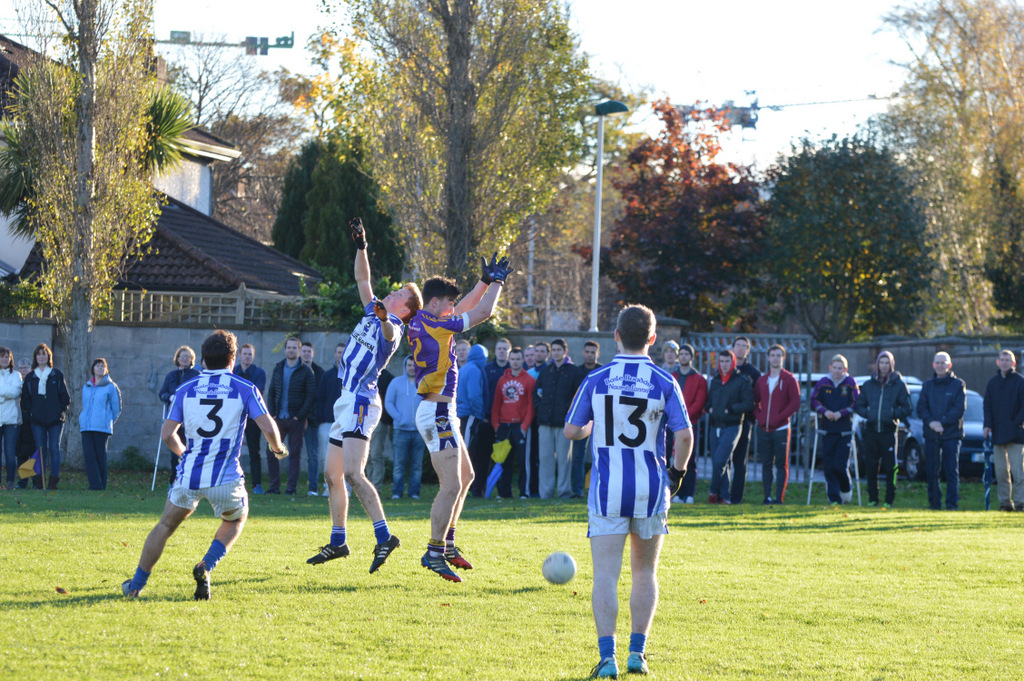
431 334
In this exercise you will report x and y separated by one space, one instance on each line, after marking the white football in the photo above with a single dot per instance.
559 567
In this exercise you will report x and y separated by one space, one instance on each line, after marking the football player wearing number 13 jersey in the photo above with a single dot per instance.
625 407
213 407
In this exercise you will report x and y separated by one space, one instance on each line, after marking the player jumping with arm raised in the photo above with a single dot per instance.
433 350
357 412
213 407
624 407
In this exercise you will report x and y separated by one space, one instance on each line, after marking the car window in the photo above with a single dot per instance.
913 403
975 410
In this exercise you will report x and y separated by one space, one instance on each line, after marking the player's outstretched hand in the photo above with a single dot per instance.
485 268
380 311
675 480
358 233
501 269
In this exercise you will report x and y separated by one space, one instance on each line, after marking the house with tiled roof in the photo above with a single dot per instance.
190 252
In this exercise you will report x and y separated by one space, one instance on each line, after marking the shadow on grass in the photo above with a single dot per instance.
91 596
129 498
505 592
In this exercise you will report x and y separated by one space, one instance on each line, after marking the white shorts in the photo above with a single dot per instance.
645 528
438 425
224 498
354 416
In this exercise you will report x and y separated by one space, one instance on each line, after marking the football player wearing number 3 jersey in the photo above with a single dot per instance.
213 407
431 335
357 410
624 407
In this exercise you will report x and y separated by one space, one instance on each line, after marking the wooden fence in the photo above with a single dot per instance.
238 308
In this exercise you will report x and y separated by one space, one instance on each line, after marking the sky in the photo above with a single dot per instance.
786 52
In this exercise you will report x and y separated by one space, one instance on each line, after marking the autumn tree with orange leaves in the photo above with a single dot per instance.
687 243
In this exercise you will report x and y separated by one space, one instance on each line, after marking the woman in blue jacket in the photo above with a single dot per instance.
101 405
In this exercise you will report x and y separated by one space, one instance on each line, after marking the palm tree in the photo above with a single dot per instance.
170 117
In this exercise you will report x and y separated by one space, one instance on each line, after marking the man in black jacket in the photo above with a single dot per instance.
557 382
730 399
1004 421
941 406
580 448
741 351
290 401
883 402
247 369
310 439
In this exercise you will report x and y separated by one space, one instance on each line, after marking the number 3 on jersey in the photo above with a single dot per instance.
634 419
218 422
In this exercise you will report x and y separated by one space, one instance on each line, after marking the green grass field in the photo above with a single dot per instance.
747 592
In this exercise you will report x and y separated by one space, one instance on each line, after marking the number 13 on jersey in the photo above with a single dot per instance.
624 420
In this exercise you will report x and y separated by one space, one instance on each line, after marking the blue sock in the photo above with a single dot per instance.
213 556
139 580
449 539
337 535
606 644
637 643
380 529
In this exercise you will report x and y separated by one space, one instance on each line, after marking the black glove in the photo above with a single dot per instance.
485 268
675 480
358 233
500 270
380 311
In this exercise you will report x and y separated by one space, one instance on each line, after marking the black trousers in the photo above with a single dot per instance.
480 449
515 460
252 443
739 459
880 449
292 431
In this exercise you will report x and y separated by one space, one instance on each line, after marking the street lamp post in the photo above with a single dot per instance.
603 109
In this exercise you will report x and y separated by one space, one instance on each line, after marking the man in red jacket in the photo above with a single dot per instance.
695 396
511 416
776 399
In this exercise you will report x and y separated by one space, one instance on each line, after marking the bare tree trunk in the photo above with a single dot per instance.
78 349
458 23
79 324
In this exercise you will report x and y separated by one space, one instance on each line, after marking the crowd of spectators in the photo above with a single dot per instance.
516 403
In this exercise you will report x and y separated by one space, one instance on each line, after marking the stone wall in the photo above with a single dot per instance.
139 358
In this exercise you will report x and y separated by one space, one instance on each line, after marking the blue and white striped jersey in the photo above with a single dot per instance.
213 407
630 400
367 353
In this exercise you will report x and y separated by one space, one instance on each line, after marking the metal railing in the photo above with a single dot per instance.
799 358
